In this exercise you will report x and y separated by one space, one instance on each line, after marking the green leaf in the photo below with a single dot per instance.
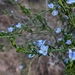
42 21
5 12
24 10
1 46
13 42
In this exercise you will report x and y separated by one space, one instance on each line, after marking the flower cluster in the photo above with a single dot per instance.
11 29
42 48
63 37
54 12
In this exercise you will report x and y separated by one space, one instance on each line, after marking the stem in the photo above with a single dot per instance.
14 35
34 18
7 36
46 8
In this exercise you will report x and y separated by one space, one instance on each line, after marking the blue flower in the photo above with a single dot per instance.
34 43
43 50
20 67
66 61
18 25
15 0
58 6
31 55
65 33
68 42
58 30
71 54
51 5
59 39
10 29
40 42
48 42
66 17
12 11
55 12
70 1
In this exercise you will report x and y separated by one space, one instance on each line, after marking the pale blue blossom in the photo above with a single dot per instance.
18 25
48 42
34 43
71 54
58 6
10 29
16 0
66 60
20 67
68 34
59 39
68 42
40 42
65 33
54 12
43 50
12 11
66 17
31 55
51 5
71 34
70 1
58 30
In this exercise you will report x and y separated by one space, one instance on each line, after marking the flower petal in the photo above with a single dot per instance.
31 55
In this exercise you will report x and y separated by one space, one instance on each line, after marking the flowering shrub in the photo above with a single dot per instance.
64 36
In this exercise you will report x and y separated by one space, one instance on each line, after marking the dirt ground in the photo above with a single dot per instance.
10 60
